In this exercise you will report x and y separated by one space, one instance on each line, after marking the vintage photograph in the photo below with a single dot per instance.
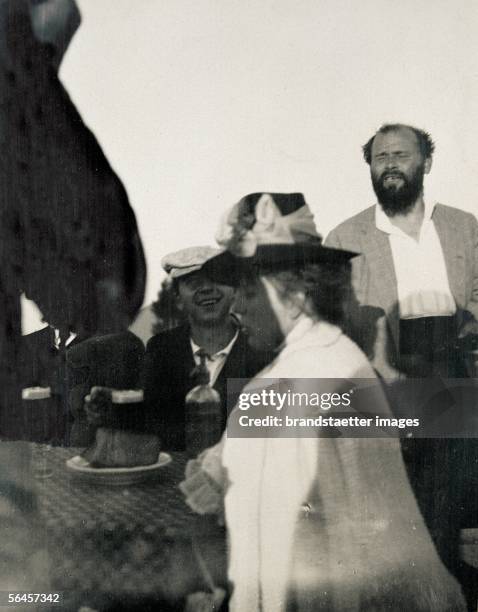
239 306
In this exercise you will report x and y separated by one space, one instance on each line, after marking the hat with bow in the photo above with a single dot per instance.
270 231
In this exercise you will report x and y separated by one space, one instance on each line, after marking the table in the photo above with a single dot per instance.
139 540
130 542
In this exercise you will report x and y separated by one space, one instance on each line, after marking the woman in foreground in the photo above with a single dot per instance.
314 523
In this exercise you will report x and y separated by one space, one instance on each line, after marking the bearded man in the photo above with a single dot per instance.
417 278
416 285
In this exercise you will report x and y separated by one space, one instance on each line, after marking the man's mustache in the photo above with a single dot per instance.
389 173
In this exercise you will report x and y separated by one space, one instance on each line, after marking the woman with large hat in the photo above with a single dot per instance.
314 523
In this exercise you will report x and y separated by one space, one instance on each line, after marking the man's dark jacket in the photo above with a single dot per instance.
167 379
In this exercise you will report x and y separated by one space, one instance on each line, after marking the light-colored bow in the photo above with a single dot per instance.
241 237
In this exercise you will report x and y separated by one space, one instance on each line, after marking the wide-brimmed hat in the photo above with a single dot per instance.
183 262
269 231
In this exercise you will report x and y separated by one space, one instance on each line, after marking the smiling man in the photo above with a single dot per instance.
211 330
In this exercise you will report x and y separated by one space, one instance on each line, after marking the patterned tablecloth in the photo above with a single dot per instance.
138 540
134 541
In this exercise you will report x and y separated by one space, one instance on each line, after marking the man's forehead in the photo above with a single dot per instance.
197 276
400 137
192 277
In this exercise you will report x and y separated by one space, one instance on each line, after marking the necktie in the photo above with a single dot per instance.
203 425
200 372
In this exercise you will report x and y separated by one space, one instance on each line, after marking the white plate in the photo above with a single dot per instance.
117 476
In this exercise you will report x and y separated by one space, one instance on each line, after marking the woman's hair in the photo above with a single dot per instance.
327 288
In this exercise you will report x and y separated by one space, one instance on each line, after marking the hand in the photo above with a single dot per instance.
98 405
192 467
205 602
77 401
210 461
203 494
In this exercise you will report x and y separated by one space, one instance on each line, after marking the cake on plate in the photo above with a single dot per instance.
120 440
122 448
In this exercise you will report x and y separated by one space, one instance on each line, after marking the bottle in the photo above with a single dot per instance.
203 411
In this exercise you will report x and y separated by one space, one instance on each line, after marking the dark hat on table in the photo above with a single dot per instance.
183 262
269 231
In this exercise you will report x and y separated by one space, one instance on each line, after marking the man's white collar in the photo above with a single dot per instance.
224 352
383 223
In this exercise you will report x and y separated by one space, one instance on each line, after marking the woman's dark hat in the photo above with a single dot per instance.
269 231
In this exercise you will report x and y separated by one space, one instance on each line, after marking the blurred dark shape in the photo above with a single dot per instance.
55 22
40 364
113 361
68 236
166 308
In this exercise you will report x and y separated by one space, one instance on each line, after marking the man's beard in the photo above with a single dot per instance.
398 200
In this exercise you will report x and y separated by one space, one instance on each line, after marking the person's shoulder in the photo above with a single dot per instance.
125 338
175 337
349 233
454 214
351 357
326 352
363 218
127 343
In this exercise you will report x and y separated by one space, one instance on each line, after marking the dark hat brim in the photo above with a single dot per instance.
229 269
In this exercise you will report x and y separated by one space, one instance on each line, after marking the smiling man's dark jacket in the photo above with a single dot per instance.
167 379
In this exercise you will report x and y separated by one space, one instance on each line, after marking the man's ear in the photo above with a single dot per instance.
428 165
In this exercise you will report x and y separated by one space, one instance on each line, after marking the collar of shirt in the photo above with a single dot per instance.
214 363
383 222
57 340
423 288
303 325
222 353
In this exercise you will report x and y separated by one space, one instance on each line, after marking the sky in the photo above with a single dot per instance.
199 102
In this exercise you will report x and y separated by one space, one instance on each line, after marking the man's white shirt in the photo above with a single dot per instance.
422 280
